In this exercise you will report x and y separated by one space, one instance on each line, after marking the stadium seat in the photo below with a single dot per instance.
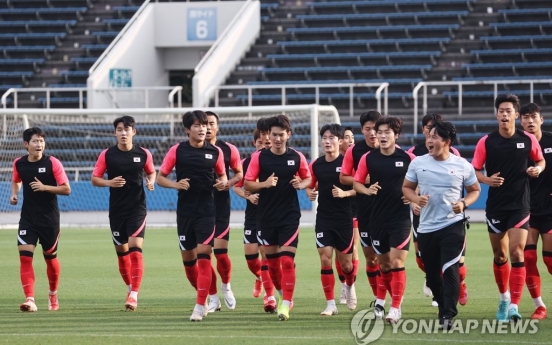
392 15
406 54
405 28
346 69
22 61
54 10
409 41
521 24
514 77
507 65
36 23
294 82
516 38
525 11
312 96
491 93
370 3
67 85
512 51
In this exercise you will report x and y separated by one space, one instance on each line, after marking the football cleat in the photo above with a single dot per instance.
28 306
53 303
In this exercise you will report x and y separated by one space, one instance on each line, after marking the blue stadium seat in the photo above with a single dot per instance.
115 21
67 85
364 42
352 55
520 24
345 16
94 46
507 65
31 23
269 6
10 86
346 68
37 35
74 73
512 51
84 59
339 81
514 77
516 38
105 33
491 93
62 100
16 74
420 27
381 3
126 8
312 96
54 10
25 61
26 48
525 11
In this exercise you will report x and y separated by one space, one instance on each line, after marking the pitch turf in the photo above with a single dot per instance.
92 297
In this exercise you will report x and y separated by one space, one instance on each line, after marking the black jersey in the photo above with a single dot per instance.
541 187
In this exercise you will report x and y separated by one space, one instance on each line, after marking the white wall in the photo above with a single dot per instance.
183 58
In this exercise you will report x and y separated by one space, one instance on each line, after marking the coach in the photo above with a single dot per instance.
441 178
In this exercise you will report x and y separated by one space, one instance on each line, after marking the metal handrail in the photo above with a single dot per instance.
381 87
460 84
171 96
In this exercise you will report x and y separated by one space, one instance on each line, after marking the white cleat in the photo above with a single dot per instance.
214 305
393 316
198 313
229 299
379 312
343 297
427 290
28 306
331 309
434 303
351 297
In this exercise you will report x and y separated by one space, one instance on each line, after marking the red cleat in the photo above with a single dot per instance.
257 288
539 313
53 303
463 296
270 306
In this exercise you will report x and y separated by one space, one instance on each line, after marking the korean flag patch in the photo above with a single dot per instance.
399 164
41 170
136 159
319 235
291 162
548 150
116 233
520 145
338 169
182 238
22 232
208 156
247 232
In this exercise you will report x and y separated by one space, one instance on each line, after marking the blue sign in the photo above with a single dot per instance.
202 24
120 77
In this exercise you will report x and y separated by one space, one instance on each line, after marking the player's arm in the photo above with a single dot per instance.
251 182
312 189
303 177
536 156
236 166
99 171
346 176
15 188
360 179
149 169
221 182
166 167
409 191
62 188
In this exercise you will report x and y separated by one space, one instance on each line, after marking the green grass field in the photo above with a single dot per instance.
92 297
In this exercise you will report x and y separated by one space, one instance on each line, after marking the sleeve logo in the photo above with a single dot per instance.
319 234
136 159
548 150
520 145
208 156
338 169
291 162
399 164
41 170
22 232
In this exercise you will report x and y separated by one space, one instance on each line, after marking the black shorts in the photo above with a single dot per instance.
222 228
415 224
341 239
283 236
123 228
383 239
444 246
542 223
194 231
364 233
501 222
48 237
251 234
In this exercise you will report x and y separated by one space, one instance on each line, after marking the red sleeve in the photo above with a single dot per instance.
220 168
314 180
536 151
455 151
169 161
59 172
240 182
412 156
347 167
253 169
148 168
480 154
303 171
15 175
410 150
234 157
100 167
362 170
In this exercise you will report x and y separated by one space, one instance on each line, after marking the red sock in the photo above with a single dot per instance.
328 282
355 268
372 273
398 283
254 264
224 265
420 262
350 277
275 270
532 278
384 284
26 272
190 267
137 268
547 258
517 281
288 275
265 276
124 266
203 277
462 271
339 270
213 286
52 271
502 275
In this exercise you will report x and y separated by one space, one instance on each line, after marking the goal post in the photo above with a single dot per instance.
77 136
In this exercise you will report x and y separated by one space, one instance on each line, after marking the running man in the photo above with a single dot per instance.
125 164
43 179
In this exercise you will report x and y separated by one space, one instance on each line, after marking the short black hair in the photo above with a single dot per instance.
507 98
335 128
263 124
530 108
445 130
394 123
128 121
29 132
348 128
212 113
281 121
189 118
433 117
370 115
256 134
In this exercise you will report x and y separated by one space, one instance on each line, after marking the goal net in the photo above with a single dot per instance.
77 136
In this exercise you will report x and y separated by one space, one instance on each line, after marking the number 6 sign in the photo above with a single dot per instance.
202 24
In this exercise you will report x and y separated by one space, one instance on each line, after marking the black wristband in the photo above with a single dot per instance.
465 205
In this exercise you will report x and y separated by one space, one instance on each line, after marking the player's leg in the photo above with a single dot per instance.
136 229
498 236
463 271
430 253
327 277
381 246
49 239
224 265
269 300
399 243
288 239
204 235
518 225
344 245
547 257
372 267
187 245
532 278
341 276
27 239
119 237
251 250
419 261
